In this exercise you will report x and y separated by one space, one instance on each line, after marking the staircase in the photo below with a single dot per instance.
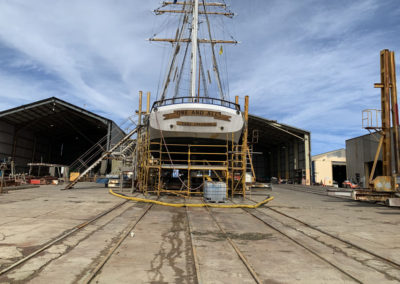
103 156
99 151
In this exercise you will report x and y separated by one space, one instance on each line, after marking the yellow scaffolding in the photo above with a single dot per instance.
157 159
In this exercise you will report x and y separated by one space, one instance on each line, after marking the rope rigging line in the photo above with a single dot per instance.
215 65
177 84
203 76
178 36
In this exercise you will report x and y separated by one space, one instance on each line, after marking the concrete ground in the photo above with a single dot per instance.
162 249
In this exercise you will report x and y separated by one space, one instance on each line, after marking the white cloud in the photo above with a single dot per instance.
308 63
313 65
98 48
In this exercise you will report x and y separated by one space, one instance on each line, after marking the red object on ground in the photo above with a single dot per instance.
35 181
349 184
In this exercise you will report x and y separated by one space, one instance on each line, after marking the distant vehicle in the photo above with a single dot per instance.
335 184
349 184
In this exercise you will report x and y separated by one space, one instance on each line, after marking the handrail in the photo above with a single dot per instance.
203 100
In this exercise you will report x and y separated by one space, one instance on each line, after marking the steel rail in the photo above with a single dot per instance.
311 191
116 246
303 246
60 237
325 193
237 250
195 259
388 261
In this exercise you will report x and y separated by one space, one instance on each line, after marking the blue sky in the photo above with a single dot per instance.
310 64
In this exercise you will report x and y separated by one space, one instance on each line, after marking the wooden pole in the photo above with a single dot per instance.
138 148
185 3
395 113
244 145
213 41
385 103
198 86
371 175
140 108
159 12
148 103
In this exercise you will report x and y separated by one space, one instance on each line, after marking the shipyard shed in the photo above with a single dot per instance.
329 168
279 151
51 131
360 155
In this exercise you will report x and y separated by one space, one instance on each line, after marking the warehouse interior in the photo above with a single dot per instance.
279 151
339 172
50 131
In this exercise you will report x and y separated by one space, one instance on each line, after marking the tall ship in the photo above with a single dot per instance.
193 103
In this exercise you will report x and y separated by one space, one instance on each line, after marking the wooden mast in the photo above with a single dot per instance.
195 22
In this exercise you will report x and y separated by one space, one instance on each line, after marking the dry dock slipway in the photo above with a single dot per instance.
87 235
193 188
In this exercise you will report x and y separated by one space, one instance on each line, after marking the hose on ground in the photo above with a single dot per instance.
138 199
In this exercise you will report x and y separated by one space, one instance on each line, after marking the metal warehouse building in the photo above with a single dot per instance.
51 131
360 154
280 150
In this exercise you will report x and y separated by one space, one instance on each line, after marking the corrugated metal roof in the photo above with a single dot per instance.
272 133
57 118
46 107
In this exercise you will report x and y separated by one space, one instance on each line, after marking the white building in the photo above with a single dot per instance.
329 167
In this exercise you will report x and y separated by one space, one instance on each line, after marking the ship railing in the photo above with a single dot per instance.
203 100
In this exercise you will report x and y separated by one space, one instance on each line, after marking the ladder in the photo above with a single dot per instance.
103 156
101 146
89 156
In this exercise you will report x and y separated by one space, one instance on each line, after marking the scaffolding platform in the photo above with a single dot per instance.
182 168
189 167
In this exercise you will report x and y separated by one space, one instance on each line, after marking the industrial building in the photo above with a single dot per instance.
52 131
329 168
57 132
360 154
280 151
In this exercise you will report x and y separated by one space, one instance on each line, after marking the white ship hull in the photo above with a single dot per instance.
195 121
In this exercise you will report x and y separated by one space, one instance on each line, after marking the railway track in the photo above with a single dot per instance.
124 235
357 263
106 217
239 253
131 227
195 259
61 237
